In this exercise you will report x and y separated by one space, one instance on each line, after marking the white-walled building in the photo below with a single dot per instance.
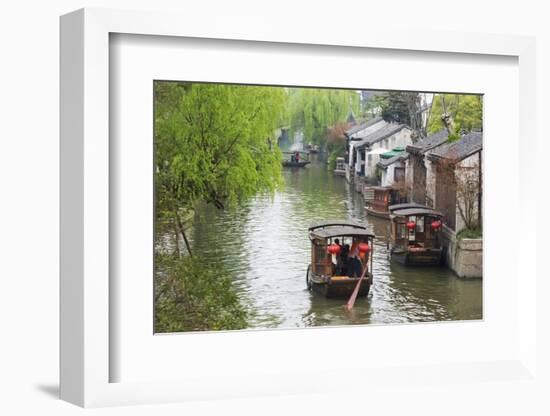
371 145
355 134
392 167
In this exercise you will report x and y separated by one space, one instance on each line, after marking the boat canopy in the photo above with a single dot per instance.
416 211
406 205
329 223
338 228
340 231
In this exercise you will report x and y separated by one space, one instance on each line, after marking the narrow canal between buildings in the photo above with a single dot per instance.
265 247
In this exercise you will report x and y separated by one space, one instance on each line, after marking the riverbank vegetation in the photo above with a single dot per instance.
191 295
214 143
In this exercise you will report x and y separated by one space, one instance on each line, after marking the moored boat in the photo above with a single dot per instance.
380 198
415 236
340 169
341 257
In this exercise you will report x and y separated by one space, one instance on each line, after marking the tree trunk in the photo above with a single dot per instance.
447 118
181 229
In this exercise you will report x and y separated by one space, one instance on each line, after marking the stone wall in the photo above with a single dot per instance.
469 258
464 256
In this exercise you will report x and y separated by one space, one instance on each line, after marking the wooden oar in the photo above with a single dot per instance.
351 301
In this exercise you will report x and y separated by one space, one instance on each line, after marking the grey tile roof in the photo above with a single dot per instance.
380 134
362 126
459 150
430 142
384 163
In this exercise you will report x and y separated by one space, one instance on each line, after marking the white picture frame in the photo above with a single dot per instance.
85 352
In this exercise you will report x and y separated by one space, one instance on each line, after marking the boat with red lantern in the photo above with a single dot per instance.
416 235
341 258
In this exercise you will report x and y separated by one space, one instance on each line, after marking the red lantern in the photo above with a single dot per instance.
411 225
436 225
334 249
364 247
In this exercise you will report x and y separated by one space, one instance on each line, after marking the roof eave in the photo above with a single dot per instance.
434 157
414 149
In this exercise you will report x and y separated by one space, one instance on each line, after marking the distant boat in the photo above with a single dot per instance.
295 162
291 164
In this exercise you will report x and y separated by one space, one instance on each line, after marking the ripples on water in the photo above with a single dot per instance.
265 247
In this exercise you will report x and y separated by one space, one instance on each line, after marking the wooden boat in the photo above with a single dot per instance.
333 271
415 236
294 164
380 198
291 162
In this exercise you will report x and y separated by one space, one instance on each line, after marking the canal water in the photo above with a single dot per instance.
265 247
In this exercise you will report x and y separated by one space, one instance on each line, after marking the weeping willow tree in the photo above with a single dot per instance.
456 113
214 144
313 111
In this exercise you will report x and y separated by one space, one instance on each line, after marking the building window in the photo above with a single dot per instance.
399 174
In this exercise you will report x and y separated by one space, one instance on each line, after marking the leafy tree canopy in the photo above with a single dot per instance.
466 112
315 110
215 142
400 106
